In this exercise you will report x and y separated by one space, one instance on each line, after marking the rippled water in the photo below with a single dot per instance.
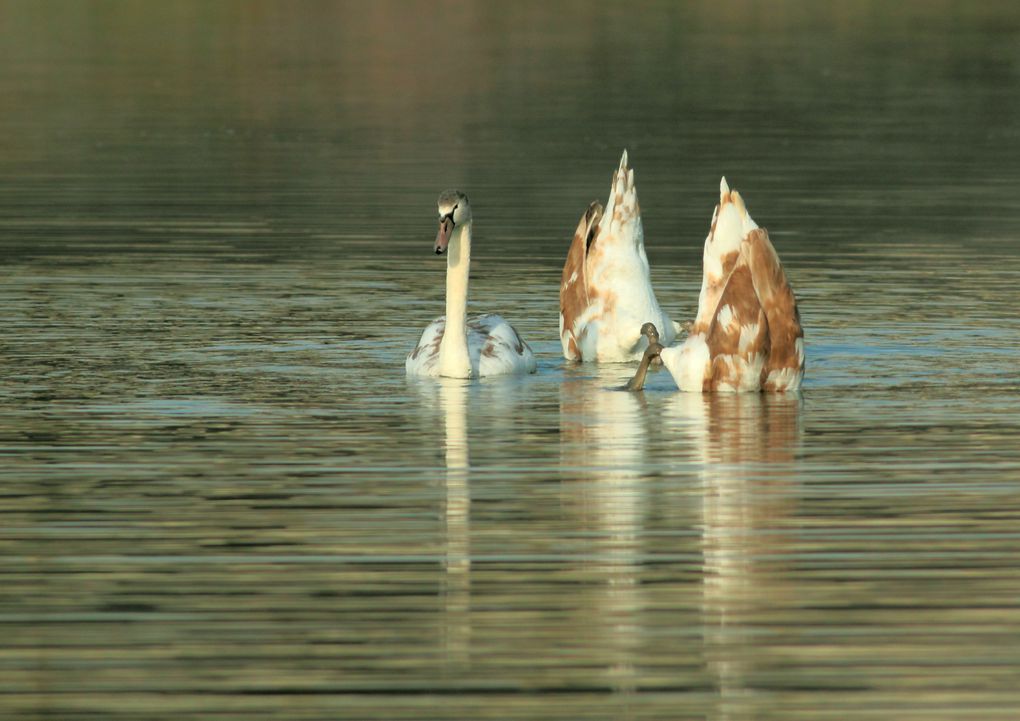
221 498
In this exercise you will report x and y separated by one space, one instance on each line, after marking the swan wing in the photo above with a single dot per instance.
738 338
730 224
424 359
785 366
496 348
574 300
730 351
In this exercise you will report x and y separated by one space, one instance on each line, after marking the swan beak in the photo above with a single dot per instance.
443 236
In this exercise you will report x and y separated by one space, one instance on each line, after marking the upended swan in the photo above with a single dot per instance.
453 345
747 335
605 290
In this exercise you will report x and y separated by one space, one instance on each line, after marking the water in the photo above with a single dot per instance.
222 499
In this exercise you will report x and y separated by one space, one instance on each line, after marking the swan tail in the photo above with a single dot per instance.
622 215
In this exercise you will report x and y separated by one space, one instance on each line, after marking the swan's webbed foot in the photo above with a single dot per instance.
649 331
651 354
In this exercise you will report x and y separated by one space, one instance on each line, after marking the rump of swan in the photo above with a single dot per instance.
606 291
453 345
747 335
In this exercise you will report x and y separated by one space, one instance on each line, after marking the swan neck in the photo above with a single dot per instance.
454 359
458 263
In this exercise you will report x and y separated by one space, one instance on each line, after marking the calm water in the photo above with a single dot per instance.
221 498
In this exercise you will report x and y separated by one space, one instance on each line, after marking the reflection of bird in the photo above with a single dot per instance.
747 447
452 345
453 400
604 436
747 336
606 290
453 396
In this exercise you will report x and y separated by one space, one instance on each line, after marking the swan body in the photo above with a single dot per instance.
747 335
453 345
493 348
606 291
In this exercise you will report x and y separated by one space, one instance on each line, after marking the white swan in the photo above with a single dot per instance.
452 345
605 291
747 335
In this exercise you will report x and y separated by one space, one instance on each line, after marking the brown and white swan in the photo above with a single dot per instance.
605 288
747 335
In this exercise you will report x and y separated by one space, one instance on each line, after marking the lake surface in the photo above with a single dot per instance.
221 498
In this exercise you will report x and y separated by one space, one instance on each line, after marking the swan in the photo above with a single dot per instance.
747 334
605 290
453 345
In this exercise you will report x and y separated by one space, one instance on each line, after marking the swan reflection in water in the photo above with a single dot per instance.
741 450
453 401
456 399
449 397
748 446
604 431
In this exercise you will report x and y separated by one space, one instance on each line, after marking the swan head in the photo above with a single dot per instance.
454 211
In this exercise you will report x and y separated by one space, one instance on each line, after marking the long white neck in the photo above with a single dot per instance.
454 360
